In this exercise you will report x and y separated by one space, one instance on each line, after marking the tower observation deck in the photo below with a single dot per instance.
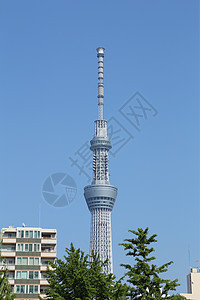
101 195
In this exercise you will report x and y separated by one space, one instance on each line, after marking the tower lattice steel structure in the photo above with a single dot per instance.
101 195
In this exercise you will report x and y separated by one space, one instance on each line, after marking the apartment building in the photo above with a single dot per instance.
27 252
193 285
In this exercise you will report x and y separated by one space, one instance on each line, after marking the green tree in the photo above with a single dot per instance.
143 275
5 287
79 277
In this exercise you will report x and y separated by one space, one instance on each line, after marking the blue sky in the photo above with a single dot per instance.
48 75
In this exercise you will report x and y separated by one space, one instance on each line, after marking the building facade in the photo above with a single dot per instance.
193 285
26 251
101 195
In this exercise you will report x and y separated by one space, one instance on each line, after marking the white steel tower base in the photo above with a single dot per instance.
100 199
100 237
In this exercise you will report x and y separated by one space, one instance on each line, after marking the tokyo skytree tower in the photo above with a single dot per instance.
101 195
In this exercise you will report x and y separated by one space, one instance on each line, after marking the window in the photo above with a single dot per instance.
36 289
19 234
22 233
11 275
30 247
19 260
31 260
31 234
10 248
11 235
24 274
36 261
27 289
26 247
36 247
46 262
10 262
24 260
36 275
26 234
18 274
30 274
30 289
43 275
38 234
19 247
35 234
22 289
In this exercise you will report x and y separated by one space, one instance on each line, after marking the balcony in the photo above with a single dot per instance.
43 289
44 268
49 254
48 248
7 240
10 267
49 241
11 281
43 281
7 253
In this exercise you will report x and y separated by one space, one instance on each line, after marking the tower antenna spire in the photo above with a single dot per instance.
100 55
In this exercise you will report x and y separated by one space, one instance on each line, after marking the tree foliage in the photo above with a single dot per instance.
5 287
143 276
79 277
